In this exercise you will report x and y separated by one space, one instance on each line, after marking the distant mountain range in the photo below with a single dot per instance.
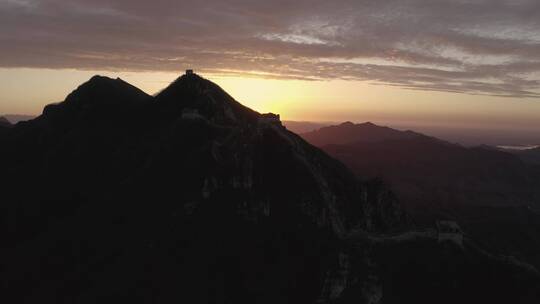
299 127
15 118
531 156
468 136
4 122
188 196
349 132
493 194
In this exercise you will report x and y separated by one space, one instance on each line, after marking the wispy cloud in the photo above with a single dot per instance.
476 46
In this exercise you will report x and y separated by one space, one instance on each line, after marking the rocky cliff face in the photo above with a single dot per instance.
187 196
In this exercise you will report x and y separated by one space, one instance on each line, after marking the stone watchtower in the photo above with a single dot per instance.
449 231
270 118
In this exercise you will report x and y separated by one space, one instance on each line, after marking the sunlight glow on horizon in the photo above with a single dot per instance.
27 91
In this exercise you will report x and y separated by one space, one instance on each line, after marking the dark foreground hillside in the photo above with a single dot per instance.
117 196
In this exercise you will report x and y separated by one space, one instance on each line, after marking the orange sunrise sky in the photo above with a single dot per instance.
466 64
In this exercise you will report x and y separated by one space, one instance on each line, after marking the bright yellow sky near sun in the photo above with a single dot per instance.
27 91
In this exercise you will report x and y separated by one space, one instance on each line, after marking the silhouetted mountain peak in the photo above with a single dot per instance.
192 94
192 83
105 90
100 96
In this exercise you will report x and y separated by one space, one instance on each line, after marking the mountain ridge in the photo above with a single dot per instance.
190 196
155 178
349 132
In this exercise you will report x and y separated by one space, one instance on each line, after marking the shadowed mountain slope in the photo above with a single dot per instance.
412 161
492 194
187 182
